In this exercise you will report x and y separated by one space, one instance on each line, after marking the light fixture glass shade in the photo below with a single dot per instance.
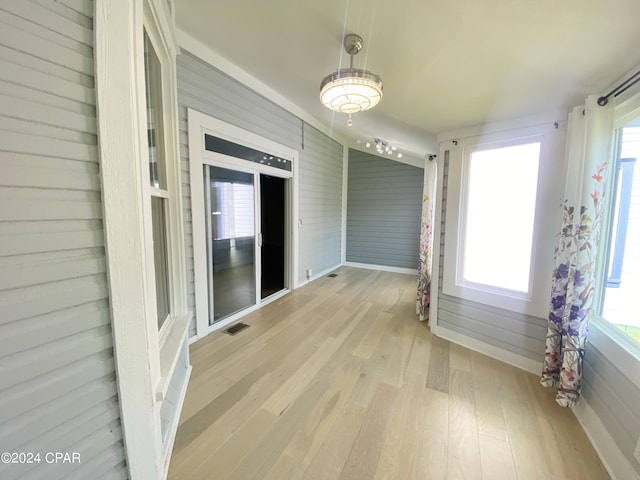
351 91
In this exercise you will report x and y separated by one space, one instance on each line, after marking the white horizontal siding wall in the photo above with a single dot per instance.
206 89
384 208
57 377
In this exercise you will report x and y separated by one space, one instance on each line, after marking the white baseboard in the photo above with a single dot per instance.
383 268
316 276
524 363
612 458
617 465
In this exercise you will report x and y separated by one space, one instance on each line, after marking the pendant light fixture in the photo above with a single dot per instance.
353 90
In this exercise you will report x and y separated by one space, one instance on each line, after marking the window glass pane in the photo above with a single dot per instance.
623 283
230 206
160 259
219 145
155 135
499 216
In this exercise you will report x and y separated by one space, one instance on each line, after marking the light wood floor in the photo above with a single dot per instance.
339 380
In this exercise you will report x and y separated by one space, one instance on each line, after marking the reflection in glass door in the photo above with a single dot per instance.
231 241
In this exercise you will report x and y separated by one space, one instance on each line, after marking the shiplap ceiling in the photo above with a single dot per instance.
446 64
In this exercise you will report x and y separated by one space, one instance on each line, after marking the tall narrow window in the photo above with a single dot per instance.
498 216
501 215
157 179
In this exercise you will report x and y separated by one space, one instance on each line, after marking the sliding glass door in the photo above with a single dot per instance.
231 245
244 221
246 243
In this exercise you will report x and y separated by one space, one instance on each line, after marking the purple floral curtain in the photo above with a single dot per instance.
588 151
426 239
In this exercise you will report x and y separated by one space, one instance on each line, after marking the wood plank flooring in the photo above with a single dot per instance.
339 380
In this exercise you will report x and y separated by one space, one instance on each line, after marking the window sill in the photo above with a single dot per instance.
615 346
502 299
170 350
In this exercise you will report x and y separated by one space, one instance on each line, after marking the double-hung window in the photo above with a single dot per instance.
158 189
136 94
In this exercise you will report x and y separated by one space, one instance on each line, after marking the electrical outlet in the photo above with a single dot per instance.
636 452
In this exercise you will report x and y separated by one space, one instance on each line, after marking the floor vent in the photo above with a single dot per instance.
233 329
332 275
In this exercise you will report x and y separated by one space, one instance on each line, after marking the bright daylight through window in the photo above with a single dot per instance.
158 179
499 215
623 277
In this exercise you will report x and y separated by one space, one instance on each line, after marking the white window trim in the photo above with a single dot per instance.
619 349
145 358
536 302
174 330
199 124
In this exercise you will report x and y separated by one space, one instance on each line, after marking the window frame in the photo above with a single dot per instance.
546 219
145 356
165 49
163 191
464 216
617 347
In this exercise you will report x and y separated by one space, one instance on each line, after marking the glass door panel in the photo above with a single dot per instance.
231 237
272 224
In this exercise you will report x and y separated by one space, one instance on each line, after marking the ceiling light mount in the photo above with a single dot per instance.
353 90
353 43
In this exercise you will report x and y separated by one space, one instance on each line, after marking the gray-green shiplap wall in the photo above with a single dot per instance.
384 208
58 388
206 89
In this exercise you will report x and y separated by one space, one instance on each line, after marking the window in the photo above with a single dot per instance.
158 179
623 237
160 259
135 49
235 150
501 218
498 217
623 185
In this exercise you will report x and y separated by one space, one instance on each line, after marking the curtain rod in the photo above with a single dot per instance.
623 87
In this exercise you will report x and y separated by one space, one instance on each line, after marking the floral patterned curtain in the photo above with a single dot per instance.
426 239
588 151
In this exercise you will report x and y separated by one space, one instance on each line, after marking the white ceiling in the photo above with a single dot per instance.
445 64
